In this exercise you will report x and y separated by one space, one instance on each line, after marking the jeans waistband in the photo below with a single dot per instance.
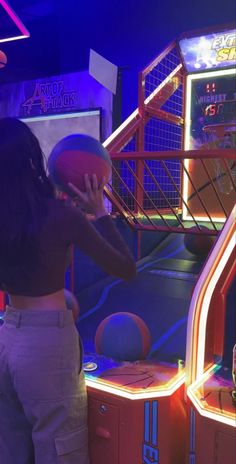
38 318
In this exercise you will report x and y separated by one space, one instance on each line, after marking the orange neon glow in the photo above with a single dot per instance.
196 379
200 302
125 392
205 408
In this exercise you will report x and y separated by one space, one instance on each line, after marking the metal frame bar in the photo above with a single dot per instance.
213 186
227 153
163 193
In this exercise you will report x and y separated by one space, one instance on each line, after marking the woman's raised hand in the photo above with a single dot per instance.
92 199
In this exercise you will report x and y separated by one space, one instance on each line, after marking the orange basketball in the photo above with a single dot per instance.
3 59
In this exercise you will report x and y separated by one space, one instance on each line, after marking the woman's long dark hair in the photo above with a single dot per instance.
24 193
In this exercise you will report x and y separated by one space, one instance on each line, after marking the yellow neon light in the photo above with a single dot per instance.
224 418
187 139
206 218
200 302
167 390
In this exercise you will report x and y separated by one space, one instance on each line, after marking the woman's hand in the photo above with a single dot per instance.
92 199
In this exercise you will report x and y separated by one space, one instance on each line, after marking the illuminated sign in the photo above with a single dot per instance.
212 51
51 96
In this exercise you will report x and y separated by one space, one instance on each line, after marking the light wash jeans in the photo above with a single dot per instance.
43 400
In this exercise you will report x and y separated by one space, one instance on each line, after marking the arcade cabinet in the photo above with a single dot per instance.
173 168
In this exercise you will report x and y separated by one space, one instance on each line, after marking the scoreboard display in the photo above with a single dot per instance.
213 104
210 123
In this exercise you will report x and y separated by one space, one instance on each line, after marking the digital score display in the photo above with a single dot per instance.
224 109
213 103
210 124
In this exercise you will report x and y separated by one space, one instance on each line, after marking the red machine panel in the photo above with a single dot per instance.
126 431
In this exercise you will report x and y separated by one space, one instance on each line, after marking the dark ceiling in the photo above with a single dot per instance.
127 32
28 58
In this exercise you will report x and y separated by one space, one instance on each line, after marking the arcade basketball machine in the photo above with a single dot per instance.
173 168
211 334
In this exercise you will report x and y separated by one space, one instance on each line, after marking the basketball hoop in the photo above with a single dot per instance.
221 129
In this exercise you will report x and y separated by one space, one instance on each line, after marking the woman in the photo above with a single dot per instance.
42 391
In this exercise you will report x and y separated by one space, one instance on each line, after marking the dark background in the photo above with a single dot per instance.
129 33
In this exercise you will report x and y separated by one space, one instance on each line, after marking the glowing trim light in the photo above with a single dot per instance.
11 39
206 304
16 20
120 128
190 78
204 218
169 389
62 116
200 302
224 418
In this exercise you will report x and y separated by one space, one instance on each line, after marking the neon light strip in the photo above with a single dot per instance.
120 128
190 78
11 39
206 304
200 302
62 116
203 411
205 218
25 33
159 392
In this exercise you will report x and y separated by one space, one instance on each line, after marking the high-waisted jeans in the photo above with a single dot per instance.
43 400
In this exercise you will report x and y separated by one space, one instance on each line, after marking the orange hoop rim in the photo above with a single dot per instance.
224 128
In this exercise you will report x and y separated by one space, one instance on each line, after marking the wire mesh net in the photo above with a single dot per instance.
174 104
123 183
161 135
209 191
159 73
153 187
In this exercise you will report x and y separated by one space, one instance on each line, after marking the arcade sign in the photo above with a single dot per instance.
213 51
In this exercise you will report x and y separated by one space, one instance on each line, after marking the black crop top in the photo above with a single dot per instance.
66 225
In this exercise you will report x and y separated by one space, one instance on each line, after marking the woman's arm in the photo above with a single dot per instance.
104 245
110 253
